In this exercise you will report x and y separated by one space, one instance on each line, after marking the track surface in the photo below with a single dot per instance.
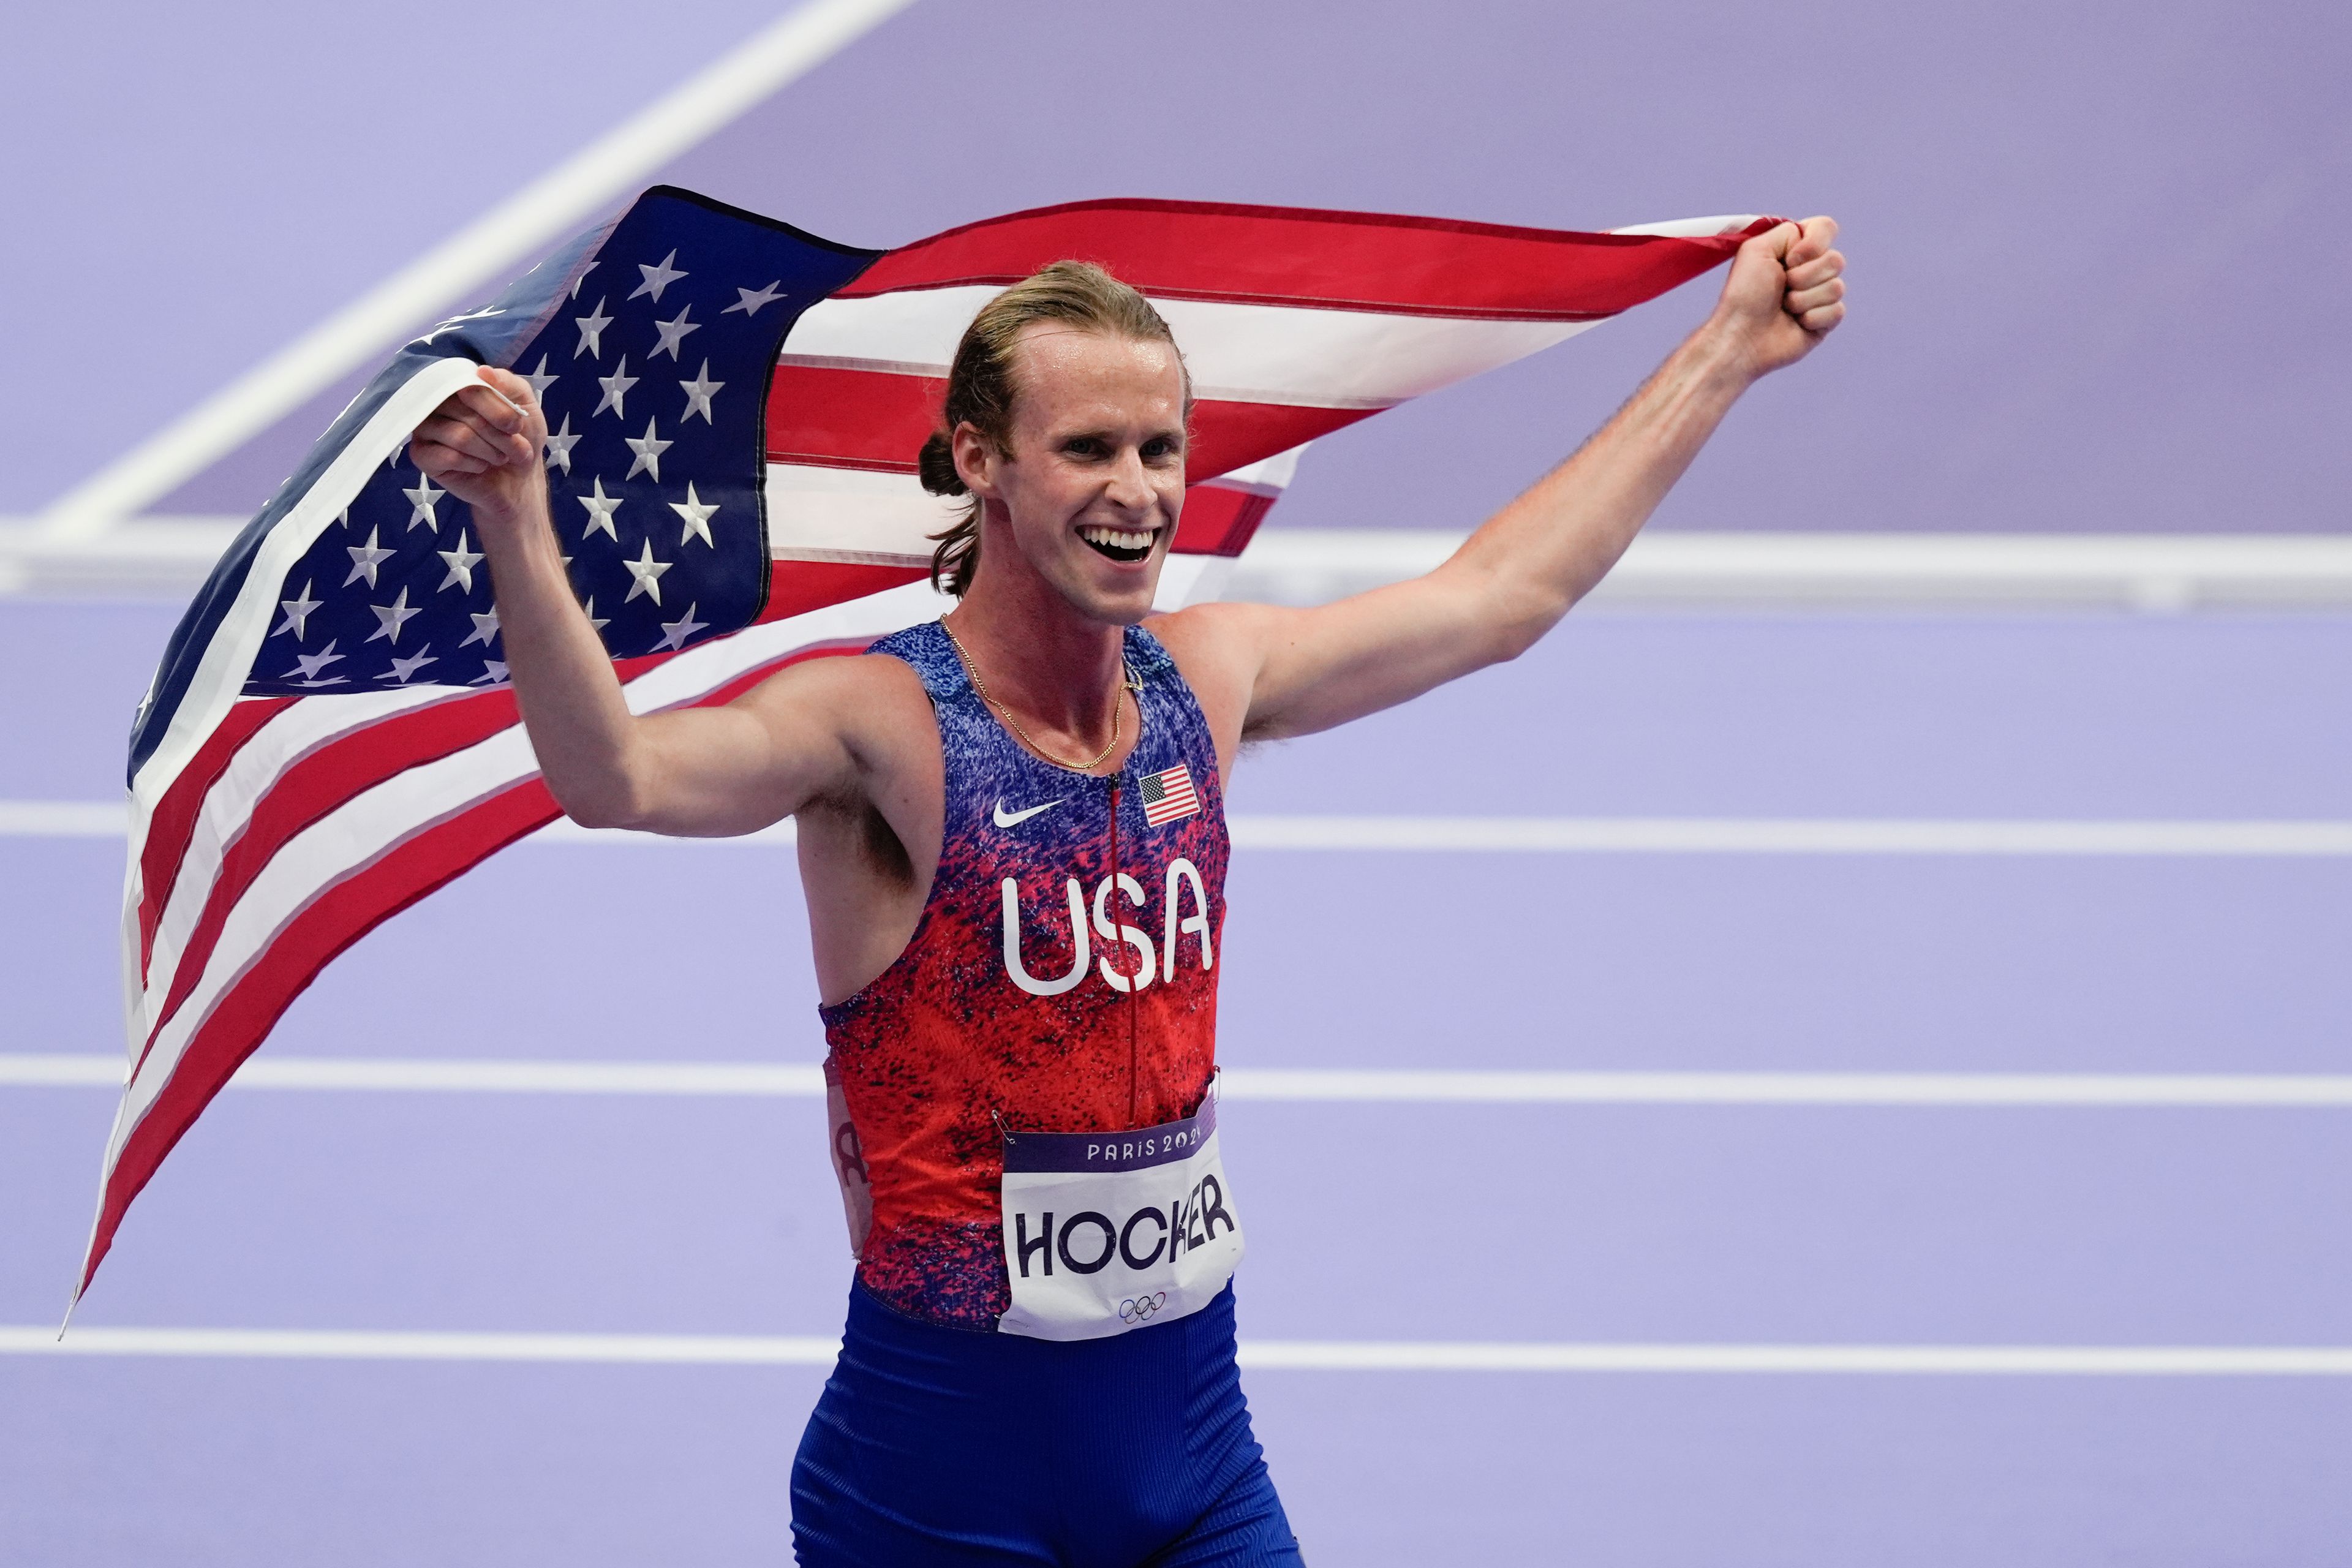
1725 1224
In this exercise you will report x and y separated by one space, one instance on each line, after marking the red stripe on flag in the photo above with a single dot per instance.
1326 260
174 820
796 587
1219 520
878 420
854 418
339 916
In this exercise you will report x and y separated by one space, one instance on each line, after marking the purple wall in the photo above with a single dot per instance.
2095 250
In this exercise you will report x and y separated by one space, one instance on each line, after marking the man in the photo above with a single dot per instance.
1011 840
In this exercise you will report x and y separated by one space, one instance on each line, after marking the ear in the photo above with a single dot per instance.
976 459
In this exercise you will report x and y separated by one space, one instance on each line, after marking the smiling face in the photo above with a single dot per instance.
1086 500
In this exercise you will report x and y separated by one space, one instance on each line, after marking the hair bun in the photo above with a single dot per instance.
936 466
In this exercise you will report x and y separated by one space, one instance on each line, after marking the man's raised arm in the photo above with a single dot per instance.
695 773
1512 581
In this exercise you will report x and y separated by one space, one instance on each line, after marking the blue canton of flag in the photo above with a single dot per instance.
649 343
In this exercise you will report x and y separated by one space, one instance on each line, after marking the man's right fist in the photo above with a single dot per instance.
483 445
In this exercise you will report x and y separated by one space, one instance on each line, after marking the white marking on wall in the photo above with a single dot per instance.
1548 835
492 245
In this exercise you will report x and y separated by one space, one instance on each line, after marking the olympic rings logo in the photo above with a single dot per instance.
1136 1309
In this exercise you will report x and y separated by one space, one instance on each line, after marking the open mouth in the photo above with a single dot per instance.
1118 542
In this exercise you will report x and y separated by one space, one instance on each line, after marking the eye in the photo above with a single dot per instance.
1161 449
1083 447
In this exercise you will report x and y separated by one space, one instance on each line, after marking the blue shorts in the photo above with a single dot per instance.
934 1444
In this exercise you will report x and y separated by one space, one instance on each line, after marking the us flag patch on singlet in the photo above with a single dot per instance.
1167 795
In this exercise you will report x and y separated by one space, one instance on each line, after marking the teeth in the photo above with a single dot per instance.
1116 539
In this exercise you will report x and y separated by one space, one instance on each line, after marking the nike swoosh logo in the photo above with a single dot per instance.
1015 818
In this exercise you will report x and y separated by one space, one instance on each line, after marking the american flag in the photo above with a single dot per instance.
735 409
1167 795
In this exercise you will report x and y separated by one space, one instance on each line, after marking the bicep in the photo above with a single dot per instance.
718 772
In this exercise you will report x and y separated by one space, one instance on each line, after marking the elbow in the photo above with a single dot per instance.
593 812
600 803
1521 622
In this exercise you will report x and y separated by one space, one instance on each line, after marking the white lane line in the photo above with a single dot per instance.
2078 1361
1264 1356
1791 835
1329 1085
337 1344
1553 835
555 204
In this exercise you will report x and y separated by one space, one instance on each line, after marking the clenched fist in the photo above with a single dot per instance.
1786 293
483 445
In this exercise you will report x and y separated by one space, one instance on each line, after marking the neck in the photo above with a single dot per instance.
1055 666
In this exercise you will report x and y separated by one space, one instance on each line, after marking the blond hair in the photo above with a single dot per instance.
981 387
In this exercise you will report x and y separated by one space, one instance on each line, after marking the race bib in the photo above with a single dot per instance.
1106 1232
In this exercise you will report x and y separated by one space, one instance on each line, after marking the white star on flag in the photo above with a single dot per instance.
752 301
673 332
540 380
453 322
298 610
698 514
461 563
648 448
600 508
583 278
308 665
674 633
494 673
596 624
659 276
486 627
390 618
420 503
592 332
699 393
616 388
365 559
647 573
559 444
402 669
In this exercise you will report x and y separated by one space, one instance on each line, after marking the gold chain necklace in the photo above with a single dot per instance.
981 687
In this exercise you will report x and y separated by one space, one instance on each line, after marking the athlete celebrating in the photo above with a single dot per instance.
1011 837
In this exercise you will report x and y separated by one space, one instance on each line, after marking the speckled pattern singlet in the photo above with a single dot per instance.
1097 1012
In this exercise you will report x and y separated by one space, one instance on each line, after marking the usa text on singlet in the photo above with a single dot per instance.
1021 1107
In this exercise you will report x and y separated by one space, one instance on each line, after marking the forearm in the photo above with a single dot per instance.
1536 557
580 725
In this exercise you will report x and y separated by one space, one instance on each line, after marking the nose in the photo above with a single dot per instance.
1130 487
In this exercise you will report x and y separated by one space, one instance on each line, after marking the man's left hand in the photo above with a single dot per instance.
1786 293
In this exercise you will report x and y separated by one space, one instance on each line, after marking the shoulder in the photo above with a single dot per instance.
1219 649
1215 645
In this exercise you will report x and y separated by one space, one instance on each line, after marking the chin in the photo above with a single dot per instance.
1124 600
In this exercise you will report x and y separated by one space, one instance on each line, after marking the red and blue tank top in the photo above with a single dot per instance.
1062 977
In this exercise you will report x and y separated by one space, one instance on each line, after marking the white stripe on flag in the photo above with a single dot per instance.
1239 353
818 513
853 514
